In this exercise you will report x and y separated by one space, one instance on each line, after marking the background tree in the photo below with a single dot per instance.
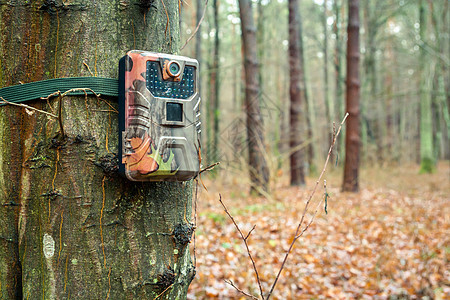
198 38
390 60
214 86
310 113
296 98
339 106
426 125
70 227
352 137
329 111
259 173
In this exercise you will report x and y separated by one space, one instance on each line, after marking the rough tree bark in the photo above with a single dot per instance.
70 227
259 173
296 98
352 137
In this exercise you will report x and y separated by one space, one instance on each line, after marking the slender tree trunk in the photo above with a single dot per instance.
352 137
440 112
427 162
389 112
339 107
326 95
296 98
259 172
235 76
69 226
310 112
209 105
215 80
198 40
260 42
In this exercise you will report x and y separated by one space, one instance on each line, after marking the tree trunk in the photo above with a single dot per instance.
338 92
296 98
70 227
215 84
259 173
352 137
310 112
260 41
198 41
326 95
426 124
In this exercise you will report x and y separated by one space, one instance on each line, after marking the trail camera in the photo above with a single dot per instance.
159 117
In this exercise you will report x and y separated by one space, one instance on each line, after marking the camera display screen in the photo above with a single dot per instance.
174 111
170 89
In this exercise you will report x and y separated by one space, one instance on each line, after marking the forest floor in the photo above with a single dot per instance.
389 241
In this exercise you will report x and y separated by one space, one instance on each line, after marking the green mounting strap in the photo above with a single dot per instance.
36 90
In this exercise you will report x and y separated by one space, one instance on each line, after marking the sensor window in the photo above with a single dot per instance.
174 111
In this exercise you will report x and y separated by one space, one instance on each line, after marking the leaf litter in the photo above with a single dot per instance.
389 241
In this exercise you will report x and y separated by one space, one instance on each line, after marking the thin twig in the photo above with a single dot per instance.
60 115
298 234
89 69
29 107
163 291
196 28
250 232
57 93
239 290
167 22
104 110
246 246
210 167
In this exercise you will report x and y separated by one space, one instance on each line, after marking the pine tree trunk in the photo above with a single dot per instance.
70 227
259 172
296 98
352 137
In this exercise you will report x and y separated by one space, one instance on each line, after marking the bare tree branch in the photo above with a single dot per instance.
196 28
244 239
28 107
239 290
298 234
250 232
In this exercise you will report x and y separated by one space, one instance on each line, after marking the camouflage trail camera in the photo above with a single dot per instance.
159 117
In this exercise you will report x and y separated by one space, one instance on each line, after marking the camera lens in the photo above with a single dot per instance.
174 69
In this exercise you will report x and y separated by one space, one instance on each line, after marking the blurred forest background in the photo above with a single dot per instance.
395 56
389 240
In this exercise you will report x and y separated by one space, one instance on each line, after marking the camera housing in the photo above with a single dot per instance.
159 117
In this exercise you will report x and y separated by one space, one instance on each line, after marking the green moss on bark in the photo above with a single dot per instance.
111 237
